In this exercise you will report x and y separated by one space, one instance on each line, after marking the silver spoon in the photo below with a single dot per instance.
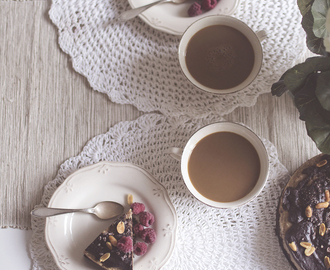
132 13
103 210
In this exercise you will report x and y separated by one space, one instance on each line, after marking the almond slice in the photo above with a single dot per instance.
305 244
321 163
130 199
113 240
121 227
309 251
327 262
322 205
104 257
327 196
293 246
308 211
322 229
109 246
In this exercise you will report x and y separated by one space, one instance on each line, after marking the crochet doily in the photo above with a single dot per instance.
135 64
207 238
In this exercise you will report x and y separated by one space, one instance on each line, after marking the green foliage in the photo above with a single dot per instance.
313 43
309 83
319 11
304 6
323 89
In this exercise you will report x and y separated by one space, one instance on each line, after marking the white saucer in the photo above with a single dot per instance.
68 235
173 18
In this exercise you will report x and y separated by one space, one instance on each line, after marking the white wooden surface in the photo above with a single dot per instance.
48 112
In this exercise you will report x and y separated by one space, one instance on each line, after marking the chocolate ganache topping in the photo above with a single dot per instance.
308 236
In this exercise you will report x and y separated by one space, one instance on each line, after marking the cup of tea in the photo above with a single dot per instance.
220 54
224 164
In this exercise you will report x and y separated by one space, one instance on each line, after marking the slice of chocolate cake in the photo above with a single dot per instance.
113 248
303 218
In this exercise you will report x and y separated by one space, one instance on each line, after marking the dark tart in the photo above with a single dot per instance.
105 249
303 218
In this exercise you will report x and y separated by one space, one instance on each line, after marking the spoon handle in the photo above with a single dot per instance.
48 212
132 13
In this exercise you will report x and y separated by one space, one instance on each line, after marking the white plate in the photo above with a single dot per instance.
68 235
173 18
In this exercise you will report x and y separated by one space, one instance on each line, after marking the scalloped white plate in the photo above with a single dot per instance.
173 18
68 235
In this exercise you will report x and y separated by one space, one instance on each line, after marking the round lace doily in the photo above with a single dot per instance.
135 64
207 238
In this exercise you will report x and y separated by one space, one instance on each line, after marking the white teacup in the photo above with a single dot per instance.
184 155
254 39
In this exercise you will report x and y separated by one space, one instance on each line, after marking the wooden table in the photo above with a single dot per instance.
49 112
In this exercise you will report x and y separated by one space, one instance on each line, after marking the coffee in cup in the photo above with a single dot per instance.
220 54
224 164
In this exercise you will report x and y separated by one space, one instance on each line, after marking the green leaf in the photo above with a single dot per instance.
319 130
304 6
322 91
279 88
326 40
309 82
305 98
314 43
319 11
295 78
317 119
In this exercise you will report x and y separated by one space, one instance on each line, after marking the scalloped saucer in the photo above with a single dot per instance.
69 234
173 18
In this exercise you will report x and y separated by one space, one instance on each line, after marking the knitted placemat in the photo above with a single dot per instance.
135 64
207 238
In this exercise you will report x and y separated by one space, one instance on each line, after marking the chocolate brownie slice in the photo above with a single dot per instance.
113 248
303 218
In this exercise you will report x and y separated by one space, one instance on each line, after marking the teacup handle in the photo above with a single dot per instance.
261 35
175 153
